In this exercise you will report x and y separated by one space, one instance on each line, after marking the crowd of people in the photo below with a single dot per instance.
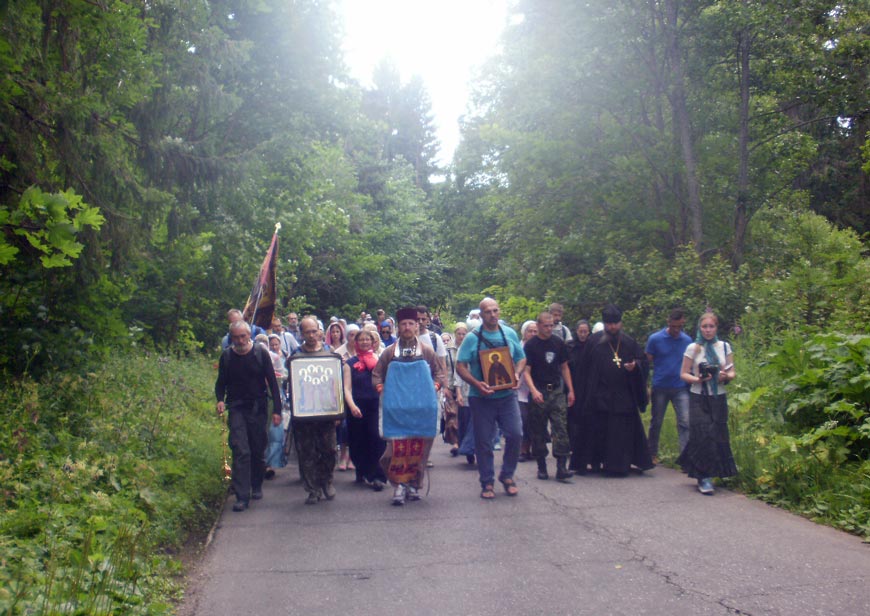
576 396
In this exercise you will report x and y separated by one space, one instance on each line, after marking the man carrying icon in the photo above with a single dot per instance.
315 440
493 407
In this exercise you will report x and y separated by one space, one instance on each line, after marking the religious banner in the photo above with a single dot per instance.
407 459
260 307
497 366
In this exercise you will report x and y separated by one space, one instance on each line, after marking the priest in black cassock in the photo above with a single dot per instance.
615 394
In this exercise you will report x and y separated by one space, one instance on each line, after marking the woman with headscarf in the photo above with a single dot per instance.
336 339
581 430
464 432
449 406
708 366
528 331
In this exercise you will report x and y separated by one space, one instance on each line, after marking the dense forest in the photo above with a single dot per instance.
640 152
650 153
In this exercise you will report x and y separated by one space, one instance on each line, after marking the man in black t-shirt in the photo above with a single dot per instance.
548 377
244 372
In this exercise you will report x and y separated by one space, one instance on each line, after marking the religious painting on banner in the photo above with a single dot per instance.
407 459
316 388
497 366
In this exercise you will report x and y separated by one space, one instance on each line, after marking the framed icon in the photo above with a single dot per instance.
497 366
316 387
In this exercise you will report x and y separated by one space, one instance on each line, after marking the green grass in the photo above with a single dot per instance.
104 476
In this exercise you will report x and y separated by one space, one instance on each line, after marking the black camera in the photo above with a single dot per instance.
705 370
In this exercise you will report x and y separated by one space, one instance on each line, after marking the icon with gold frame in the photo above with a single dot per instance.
497 366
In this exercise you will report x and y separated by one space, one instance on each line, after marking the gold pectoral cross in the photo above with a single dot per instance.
616 359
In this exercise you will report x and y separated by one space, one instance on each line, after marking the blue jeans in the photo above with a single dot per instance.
679 397
487 416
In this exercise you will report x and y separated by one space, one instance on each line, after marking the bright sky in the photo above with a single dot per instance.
443 41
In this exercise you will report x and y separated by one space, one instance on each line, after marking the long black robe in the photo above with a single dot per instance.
615 397
580 430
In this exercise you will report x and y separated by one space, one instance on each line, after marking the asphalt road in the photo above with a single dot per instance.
645 544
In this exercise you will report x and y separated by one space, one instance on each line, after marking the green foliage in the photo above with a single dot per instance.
800 425
103 476
807 273
827 400
49 224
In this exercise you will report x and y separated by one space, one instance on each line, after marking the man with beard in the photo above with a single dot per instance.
408 376
244 372
616 394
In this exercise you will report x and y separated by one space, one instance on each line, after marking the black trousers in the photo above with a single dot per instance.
248 440
365 442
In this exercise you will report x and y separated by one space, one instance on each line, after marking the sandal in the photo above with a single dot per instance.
510 486
487 493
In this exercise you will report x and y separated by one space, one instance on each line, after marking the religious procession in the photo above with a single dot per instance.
371 396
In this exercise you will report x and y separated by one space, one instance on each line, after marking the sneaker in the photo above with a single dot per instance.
377 485
399 495
240 505
257 494
329 491
312 498
429 464
496 447
413 494
705 486
470 458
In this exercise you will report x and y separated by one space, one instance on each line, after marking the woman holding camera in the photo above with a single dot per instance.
708 366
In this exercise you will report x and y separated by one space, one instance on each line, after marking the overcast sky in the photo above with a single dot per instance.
442 41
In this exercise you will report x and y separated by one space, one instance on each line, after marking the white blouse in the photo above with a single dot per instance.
697 355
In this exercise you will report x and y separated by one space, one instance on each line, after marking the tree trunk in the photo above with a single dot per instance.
741 217
682 122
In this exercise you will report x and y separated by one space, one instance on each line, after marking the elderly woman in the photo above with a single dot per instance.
528 331
347 350
465 433
449 408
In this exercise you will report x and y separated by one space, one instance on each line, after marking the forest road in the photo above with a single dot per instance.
645 544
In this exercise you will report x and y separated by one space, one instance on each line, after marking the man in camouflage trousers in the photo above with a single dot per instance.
315 440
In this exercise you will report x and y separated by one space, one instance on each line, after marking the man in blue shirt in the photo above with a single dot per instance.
665 350
234 315
492 408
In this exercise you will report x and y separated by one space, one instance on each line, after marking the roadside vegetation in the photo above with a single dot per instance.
704 154
104 476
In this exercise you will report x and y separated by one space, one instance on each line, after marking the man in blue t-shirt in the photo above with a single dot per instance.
665 350
493 408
